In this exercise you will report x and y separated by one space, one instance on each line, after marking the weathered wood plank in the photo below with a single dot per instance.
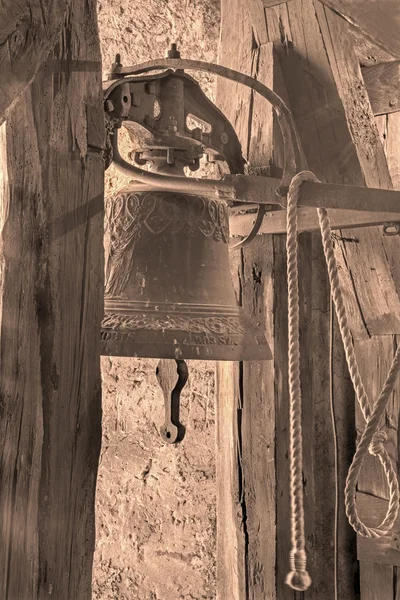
255 9
374 358
383 87
383 550
235 51
368 52
378 20
324 135
275 221
376 581
51 309
374 288
258 415
28 32
231 580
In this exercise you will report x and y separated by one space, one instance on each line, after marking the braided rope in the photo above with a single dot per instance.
298 577
372 439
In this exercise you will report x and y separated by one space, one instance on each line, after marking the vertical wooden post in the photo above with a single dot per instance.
51 304
335 122
246 407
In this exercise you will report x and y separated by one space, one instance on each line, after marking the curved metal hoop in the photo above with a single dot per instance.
293 157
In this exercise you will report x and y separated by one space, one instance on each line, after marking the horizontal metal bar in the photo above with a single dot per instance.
262 190
275 222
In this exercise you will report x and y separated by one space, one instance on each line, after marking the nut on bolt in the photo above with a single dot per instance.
173 52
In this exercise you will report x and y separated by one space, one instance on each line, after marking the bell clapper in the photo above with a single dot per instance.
172 431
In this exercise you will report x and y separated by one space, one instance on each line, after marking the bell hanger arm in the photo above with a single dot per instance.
294 160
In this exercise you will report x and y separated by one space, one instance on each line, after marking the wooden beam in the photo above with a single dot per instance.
358 159
51 304
231 505
28 32
383 87
251 441
374 355
378 20
324 135
376 581
257 19
231 553
275 221
386 549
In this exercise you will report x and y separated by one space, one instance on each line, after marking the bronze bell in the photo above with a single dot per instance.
169 292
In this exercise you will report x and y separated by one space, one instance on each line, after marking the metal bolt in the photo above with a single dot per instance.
224 138
117 64
392 102
173 52
109 106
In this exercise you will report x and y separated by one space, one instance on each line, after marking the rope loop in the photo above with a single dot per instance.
372 439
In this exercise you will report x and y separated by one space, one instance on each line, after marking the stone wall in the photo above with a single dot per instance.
155 504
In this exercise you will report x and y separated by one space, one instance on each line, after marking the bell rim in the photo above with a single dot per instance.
190 351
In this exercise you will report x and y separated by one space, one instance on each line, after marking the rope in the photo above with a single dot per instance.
298 577
372 439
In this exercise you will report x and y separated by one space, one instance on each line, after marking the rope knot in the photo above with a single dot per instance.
298 577
376 445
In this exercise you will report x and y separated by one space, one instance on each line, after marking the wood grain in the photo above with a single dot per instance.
374 356
255 9
383 550
275 221
231 580
235 51
378 20
323 131
383 87
51 308
255 410
28 32
376 581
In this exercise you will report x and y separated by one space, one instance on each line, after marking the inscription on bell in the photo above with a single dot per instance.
117 336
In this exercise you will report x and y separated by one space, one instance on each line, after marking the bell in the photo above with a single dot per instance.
168 290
